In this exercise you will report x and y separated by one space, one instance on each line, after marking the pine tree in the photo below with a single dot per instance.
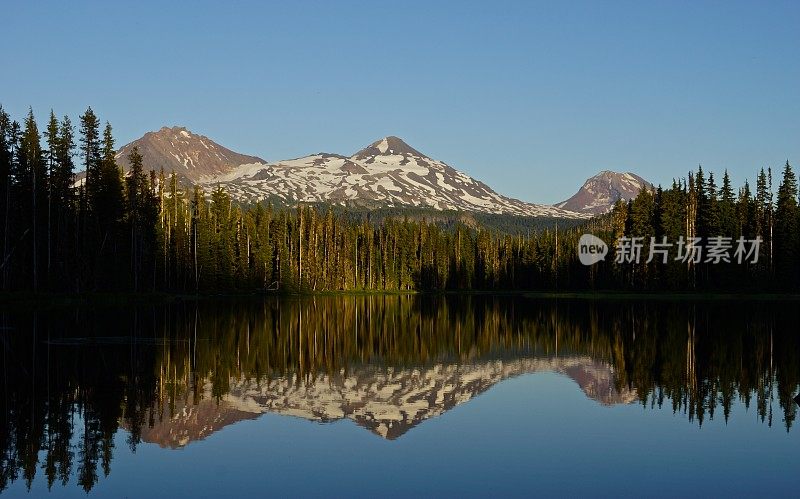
6 158
712 221
111 191
63 175
10 222
34 187
703 204
89 236
727 208
52 158
641 216
62 179
764 218
673 226
136 193
746 212
90 150
787 237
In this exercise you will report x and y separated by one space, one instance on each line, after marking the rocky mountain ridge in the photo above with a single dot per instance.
189 155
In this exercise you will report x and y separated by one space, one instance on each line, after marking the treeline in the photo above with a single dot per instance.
111 230
61 235
515 225
696 207
143 231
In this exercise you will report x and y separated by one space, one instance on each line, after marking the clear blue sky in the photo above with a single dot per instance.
530 97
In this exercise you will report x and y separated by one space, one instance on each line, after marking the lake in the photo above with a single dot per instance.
401 395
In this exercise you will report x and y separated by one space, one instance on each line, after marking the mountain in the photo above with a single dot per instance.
189 155
386 401
387 173
387 146
599 193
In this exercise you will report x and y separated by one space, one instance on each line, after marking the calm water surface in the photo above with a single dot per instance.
401 395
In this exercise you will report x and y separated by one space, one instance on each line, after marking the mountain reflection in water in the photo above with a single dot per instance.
174 374
387 401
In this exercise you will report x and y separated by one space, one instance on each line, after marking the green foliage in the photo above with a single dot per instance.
787 238
142 231
696 208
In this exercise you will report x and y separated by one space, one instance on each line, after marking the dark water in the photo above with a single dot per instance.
397 395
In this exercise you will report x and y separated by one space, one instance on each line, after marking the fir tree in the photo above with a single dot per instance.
90 150
33 183
787 238
728 225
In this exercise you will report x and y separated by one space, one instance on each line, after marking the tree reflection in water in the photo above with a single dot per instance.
171 374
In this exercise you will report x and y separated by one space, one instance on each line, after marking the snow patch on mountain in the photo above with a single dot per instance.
383 146
388 172
388 401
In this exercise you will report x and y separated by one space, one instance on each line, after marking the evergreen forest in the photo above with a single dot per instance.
109 230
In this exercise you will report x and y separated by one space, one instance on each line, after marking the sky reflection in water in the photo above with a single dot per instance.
404 395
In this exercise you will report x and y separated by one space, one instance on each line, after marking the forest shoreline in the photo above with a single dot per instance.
44 300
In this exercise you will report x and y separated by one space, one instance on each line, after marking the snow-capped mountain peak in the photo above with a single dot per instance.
388 172
387 146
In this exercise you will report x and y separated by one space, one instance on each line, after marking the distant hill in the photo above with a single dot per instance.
193 157
599 193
